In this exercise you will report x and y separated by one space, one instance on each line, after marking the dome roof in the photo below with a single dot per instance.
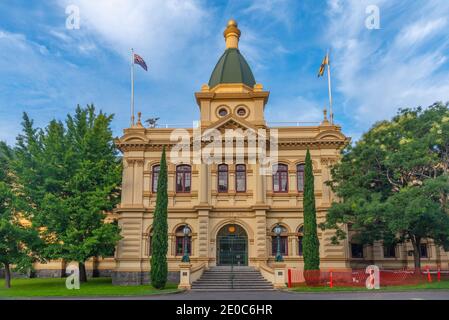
232 68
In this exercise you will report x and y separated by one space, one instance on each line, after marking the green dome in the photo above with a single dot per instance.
232 68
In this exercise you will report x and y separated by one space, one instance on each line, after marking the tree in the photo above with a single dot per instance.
70 177
159 267
394 182
310 241
17 238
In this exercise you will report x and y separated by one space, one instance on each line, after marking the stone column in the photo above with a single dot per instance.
260 185
204 199
138 183
128 182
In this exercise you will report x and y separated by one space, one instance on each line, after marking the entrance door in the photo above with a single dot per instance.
232 246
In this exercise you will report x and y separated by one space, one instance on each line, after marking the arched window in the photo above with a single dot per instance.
283 242
300 238
300 177
240 178
155 177
150 243
183 178
223 178
182 242
280 178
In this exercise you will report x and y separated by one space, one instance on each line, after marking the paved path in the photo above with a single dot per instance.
285 295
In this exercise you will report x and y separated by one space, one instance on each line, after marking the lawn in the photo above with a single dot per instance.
55 287
443 285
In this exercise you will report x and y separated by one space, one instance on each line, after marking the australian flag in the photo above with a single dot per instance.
138 60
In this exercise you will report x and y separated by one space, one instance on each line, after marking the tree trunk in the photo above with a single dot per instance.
417 254
83 275
7 276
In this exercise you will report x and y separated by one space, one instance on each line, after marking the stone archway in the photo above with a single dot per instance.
232 246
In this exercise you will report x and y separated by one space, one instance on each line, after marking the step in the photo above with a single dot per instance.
226 279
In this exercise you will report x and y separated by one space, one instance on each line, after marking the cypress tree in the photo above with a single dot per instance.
159 267
310 241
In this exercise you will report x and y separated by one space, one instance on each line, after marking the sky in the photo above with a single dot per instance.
47 69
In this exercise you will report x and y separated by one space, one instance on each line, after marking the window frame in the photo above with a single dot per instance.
183 178
223 171
237 171
298 174
279 179
387 249
421 246
153 173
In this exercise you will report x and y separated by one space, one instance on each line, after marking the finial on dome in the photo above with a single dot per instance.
232 34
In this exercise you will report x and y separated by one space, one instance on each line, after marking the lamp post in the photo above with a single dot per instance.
277 231
186 231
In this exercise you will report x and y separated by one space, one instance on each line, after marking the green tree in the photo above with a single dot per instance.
311 243
393 183
71 176
17 238
159 267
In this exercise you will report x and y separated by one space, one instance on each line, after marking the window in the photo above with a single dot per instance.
389 251
150 242
182 241
423 250
280 178
222 112
155 176
357 250
223 178
283 239
241 112
300 177
183 178
240 178
300 238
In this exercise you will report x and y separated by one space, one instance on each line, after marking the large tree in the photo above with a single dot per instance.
70 175
159 242
17 238
394 182
311 245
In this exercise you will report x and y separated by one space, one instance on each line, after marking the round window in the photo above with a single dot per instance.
241 112
222 112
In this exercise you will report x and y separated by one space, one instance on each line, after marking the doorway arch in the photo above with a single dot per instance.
232 246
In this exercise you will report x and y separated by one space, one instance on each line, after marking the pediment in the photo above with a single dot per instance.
232 123
330 135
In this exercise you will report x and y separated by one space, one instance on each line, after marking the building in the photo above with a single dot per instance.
231 209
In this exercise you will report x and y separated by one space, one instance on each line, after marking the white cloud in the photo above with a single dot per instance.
158 30
400 65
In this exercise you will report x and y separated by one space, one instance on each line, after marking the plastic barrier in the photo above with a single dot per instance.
357 277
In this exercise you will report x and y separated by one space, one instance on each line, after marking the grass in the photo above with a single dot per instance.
55 287
443 285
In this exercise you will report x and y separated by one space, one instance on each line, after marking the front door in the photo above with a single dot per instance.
232 246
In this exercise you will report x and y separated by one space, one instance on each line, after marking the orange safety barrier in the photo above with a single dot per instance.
358 277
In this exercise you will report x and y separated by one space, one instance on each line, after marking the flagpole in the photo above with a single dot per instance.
132 87
331 114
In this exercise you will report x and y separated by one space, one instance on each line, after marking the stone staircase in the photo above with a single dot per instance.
223 279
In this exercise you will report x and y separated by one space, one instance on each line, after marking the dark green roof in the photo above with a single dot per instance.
232 68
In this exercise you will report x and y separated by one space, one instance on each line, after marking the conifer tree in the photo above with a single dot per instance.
159 267
310 241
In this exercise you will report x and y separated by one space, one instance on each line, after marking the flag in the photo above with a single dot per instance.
323 65
138 60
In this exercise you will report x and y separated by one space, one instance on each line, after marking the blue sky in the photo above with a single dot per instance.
46 69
